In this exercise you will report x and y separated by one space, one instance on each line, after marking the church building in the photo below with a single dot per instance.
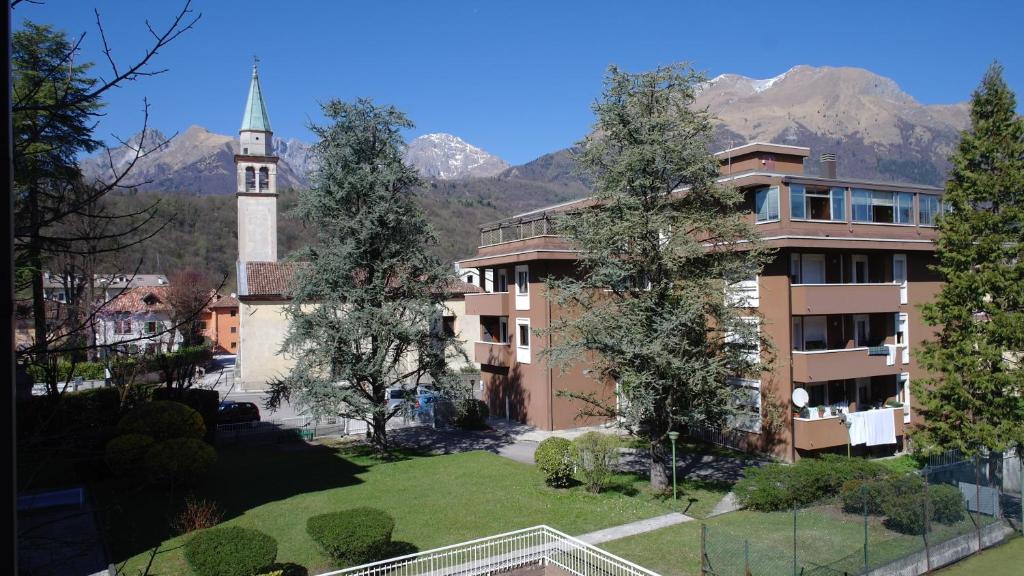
263 280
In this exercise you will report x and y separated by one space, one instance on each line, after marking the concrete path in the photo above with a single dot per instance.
727 504
634 528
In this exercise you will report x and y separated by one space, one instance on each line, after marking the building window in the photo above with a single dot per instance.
469 278
122 324
929 207
234 312
750 342
502 281
234 345
882 207
522 288
748 405
234 329
817 203
743 294
523 340
202 325
150 328
250 178
264 178
448 326
766 204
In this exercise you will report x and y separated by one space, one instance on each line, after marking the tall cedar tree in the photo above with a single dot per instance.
367 296
659 245
976 397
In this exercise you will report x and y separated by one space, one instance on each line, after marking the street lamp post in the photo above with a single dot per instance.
673 436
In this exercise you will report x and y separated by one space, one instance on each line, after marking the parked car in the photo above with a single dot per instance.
230 412
425 398
398 396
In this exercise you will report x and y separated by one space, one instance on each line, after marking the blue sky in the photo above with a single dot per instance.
515 78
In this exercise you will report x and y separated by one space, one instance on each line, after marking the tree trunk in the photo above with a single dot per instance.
379 432
661 464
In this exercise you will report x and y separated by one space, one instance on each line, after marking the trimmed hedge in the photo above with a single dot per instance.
163 420
780 486
230 551
124 455
353 537
201 400
472 414
179 461
556 457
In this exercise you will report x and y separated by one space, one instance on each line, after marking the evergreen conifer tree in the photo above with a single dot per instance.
659 245
367 296
976 397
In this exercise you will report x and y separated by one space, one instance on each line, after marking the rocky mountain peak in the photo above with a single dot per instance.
448 157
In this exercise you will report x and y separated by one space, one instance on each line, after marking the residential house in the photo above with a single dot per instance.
840 302
59 287
220 324
139 320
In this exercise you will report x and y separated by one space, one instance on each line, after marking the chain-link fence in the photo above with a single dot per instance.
905 523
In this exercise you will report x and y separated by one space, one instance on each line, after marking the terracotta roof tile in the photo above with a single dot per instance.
140 300
271 279
225 302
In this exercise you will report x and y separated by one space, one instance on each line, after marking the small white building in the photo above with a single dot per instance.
137 321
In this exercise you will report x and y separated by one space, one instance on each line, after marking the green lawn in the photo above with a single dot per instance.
1006 559
435 500
826 538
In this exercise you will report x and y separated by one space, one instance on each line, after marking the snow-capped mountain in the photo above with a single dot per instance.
448 157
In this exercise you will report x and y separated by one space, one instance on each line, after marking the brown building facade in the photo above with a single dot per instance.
839 302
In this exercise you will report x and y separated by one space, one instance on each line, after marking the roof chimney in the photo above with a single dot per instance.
828 165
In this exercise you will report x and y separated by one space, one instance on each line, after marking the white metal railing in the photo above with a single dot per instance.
540 545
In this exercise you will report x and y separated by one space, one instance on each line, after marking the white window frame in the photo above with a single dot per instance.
903 325
901 281
748 416
903 385
754 355
745 293
523 351
522 290
769 215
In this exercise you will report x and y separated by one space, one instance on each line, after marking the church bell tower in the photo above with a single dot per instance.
257 181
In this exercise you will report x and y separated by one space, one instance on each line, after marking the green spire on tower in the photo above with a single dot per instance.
255 117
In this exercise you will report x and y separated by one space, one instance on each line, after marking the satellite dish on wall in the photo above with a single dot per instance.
800 397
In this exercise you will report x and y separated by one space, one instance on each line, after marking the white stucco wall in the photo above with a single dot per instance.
262 327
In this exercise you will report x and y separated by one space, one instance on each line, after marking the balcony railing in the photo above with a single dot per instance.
824 365
845 298
487 304
829 432
541 546
519 229
493 353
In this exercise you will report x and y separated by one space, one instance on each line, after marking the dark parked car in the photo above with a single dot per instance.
230 412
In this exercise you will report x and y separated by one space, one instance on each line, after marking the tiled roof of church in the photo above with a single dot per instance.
270 279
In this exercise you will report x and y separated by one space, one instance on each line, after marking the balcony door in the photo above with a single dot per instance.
807 268
899 274
503 329
859 269
502 281
861 330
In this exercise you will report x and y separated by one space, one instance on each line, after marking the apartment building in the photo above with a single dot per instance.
839 301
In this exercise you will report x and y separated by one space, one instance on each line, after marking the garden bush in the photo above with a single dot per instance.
780 486
124 454
472 414
179 461
353 537
597 456
198 514
904 507
556 458
163 420
874 493
947 504
284 569
201 400
230 551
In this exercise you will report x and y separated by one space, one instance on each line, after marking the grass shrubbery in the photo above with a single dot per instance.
472 414
353 537
780 487
230 551
163 420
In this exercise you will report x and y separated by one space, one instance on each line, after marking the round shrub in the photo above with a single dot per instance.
472 414
283 569
906 514
163 420
947 504
556 458
125 453
873 493
230 551
353 537
179 461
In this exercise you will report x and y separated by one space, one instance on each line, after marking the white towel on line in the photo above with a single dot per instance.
858 428
881 427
